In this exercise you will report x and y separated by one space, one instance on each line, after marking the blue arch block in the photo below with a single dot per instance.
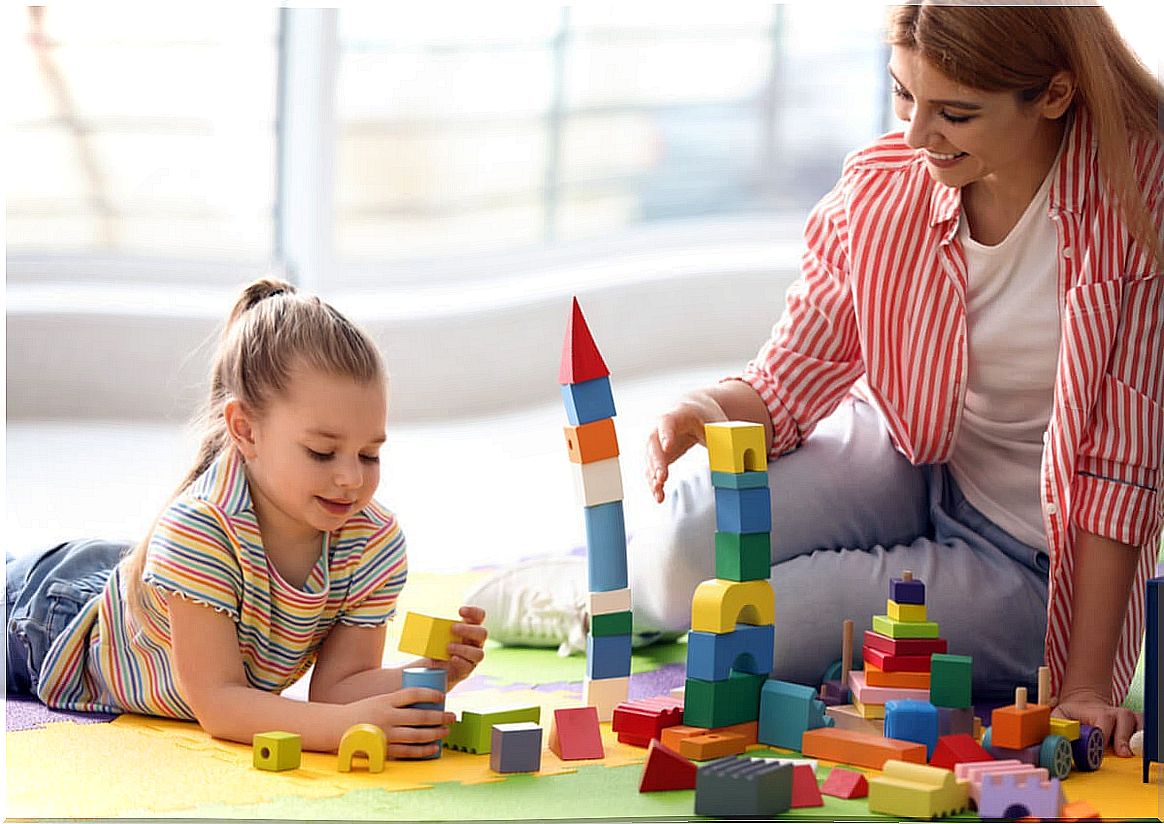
712 656
606 547
743 510
588 401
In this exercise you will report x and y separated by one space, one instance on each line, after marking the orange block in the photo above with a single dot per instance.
1079 811
875 677
712 745
674 736
590 442
1016 728
859 748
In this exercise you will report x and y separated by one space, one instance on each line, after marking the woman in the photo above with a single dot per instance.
968 379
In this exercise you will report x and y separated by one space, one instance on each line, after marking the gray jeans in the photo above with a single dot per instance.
44 591
848 513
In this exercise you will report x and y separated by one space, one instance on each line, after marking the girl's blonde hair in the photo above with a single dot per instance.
272 330
995 47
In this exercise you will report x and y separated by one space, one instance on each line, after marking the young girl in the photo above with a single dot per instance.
967 381
271 557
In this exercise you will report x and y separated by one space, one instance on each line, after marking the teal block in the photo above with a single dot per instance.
739 480
722 703
787 711
950 679
743 556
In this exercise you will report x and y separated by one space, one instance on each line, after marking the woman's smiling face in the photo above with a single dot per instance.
968 135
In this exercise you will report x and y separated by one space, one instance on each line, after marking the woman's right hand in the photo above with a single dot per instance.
412 733
677 431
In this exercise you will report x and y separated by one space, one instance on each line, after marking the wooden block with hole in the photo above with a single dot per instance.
276 751
712 745
1020 725
590 442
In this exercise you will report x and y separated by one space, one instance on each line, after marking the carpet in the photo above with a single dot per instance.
73 765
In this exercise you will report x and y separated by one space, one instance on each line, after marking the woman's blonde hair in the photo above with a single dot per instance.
272 330
995 47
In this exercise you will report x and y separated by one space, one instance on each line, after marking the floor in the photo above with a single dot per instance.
469 492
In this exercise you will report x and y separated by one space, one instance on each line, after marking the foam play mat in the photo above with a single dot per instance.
63 766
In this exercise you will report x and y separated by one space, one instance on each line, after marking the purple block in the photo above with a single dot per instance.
834 693
1027 755
515 747
907 592
1011 797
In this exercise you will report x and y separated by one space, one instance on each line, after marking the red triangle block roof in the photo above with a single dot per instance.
581 360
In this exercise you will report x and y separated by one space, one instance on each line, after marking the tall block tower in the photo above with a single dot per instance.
593 448
729 649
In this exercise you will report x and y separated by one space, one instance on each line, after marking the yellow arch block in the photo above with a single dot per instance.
367 739
736 446
719 604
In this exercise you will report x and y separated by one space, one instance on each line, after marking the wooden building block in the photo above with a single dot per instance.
712 745
953 750
842 783
904 629
432 678
903 646
895 663
915 721
805 790
914 613
954 721
846 717
674 736
666 770
516 748
859 749
366 739
876 677
574 734
865 694
950 680
592 442
916 791
597 483
870 712
736 446
276 751
588 401
1066 727
426 636
605 546
1011 796
743 556
1020 725
611 623
637 722
581 360
711 656
719 605
473 731
604 694
739 480
907 589
743 787
608 656
720 703
786 711
743 510
602 603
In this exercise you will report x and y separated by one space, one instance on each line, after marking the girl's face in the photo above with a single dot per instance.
968 135
313 457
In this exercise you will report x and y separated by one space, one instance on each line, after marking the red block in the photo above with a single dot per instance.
639 721
958 749
805 791
895 663
574 735
843 783
666 770
903 646
580 358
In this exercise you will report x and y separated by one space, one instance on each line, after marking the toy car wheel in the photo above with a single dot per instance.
1087 749
1055 756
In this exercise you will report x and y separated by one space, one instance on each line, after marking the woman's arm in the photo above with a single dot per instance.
210 673
1104 571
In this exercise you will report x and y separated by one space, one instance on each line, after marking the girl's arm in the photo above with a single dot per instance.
1104 571
210 673
348 667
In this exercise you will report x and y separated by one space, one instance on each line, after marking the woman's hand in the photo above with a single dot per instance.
469 652
412 733
677 431
1089 707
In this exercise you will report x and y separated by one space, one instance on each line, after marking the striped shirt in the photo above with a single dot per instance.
207 547
880 311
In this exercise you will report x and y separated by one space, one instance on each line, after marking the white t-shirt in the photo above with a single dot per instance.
1012 319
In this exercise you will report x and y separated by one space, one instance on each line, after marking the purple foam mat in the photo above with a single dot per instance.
28 714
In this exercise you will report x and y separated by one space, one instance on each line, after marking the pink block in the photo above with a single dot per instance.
879 695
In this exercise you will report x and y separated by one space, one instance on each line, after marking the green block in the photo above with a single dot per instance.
950 677
473 733
610 623
276 751
904 629
722 703
739 480
743 556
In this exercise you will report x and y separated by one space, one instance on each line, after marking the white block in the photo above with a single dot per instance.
597 483
603 603
604 694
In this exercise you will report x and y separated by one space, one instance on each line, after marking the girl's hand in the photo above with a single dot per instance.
675 433
467 654
1089 707
412 733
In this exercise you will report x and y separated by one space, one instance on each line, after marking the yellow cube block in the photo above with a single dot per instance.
736 446
276 751
427 636
913 613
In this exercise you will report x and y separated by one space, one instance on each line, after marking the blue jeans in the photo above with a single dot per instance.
849 512
44 591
